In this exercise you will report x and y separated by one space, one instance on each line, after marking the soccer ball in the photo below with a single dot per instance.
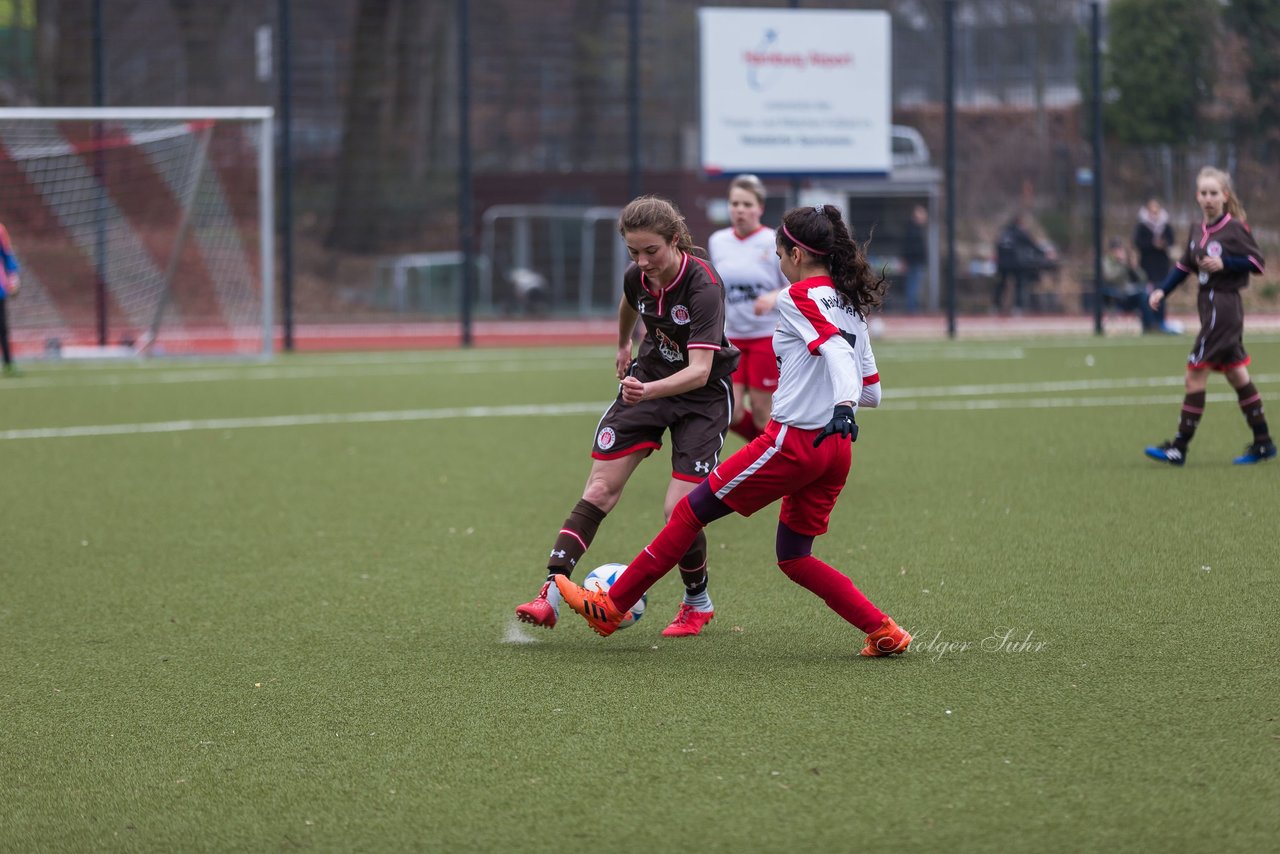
602 578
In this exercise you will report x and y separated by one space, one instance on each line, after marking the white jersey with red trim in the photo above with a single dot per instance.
749 267
824 355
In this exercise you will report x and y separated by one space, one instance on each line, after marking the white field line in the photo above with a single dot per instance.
1050 386
283 372
905 400
301 420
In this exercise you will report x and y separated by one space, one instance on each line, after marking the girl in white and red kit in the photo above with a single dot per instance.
826 372
744 256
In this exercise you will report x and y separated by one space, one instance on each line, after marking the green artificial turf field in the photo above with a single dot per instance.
269 606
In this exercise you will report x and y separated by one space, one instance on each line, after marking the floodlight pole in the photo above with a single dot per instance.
286 178
99 172
465 215
633 98
795 179
949 54
1095 34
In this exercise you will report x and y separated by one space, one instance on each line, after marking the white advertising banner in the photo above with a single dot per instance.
788 91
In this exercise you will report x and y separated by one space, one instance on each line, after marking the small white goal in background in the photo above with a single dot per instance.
140 230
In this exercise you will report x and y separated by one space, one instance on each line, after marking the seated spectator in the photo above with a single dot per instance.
1021 258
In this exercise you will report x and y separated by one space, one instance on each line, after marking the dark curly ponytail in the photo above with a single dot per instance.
820 231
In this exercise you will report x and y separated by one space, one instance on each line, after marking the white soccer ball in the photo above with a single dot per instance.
603 577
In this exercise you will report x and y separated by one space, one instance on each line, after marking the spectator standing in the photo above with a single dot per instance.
915 257
1152 237
10 284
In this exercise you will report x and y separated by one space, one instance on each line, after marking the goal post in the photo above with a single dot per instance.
141 230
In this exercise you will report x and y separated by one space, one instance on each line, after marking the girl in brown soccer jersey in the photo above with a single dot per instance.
678 382
1222 252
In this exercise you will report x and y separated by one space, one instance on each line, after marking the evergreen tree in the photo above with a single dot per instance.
1257 24
1159 69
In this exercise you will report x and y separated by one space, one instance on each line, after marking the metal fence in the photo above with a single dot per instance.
370 97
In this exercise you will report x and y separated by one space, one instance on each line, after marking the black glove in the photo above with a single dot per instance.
841 423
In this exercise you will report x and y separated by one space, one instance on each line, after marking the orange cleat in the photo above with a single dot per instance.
595 606
889 639
539 612
688 622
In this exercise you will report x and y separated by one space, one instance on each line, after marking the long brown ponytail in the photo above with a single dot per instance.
820 231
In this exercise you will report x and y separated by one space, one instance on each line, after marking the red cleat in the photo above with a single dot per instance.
889 639
595 606
688 622
538 612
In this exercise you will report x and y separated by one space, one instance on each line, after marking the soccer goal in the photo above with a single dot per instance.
140 230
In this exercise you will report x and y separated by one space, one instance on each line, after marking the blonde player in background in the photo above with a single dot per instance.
744 257
1222 252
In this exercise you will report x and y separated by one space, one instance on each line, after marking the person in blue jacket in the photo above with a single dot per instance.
10 284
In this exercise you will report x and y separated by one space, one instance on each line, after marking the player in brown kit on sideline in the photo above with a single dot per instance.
1222 252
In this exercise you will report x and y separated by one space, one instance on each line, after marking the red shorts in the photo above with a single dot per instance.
783 463
758 366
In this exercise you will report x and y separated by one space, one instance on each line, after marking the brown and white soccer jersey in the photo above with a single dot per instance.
1220 344
687 314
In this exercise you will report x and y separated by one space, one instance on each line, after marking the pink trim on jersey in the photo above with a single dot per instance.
809 309
662 293
1206 230
715 277
762 227
1182 268
626 452
710 272
871 380
1257 265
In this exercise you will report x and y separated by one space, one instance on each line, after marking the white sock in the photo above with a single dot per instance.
554 598
701 602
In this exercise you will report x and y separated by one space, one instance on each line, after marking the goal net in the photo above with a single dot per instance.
140 230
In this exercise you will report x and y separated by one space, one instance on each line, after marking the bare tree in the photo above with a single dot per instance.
201 24
391 153
64 53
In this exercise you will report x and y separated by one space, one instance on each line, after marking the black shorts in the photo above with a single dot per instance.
698 421
1220 344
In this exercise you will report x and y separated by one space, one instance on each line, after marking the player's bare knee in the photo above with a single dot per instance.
602 494
1238 377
